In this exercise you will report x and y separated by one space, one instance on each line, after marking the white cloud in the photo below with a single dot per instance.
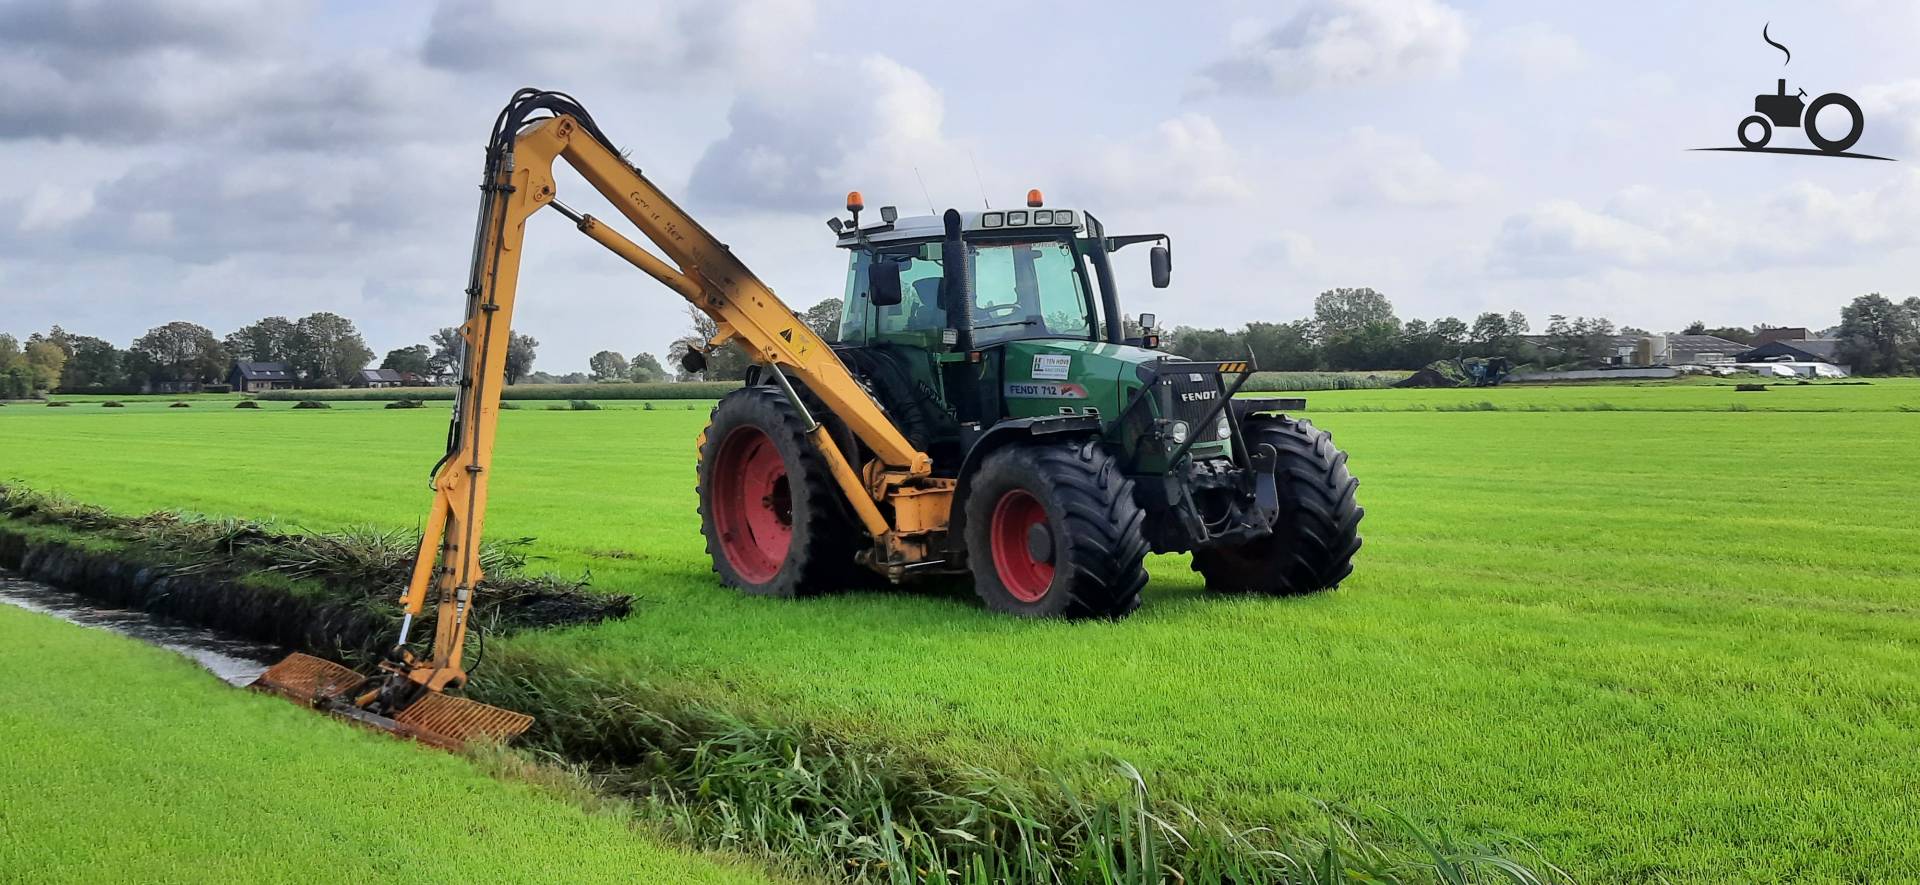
670 40
1182 160
1896 105
1803 224
801 142
1537 51
52 206
1395 170
1335 43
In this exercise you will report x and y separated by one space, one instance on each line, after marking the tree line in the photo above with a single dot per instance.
1352 329
1357 330
320 349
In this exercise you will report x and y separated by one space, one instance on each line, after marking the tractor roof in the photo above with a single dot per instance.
930 227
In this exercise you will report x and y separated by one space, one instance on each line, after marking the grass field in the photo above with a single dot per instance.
140 767
1656 643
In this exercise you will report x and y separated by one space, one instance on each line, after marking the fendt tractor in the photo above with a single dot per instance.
984 413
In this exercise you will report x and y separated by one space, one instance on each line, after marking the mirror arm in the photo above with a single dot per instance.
1115 244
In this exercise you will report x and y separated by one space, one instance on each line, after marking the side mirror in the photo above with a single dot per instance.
883 283
1162 260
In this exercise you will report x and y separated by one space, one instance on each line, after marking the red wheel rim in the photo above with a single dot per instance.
1014 518
752 504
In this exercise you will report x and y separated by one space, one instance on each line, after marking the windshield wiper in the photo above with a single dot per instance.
1009 323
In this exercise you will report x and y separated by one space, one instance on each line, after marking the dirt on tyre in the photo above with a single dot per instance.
1053 531
773 519
1317 530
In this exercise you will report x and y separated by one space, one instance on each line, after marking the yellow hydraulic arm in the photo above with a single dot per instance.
534 130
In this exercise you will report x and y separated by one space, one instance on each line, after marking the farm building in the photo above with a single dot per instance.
1781 333
1662 350
1808 350
246 377
378 378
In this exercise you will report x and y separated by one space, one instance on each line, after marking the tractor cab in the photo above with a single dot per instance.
1029 327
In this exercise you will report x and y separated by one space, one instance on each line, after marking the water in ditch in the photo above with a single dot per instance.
238 661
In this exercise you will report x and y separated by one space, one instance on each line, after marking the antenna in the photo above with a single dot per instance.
923 192
976 178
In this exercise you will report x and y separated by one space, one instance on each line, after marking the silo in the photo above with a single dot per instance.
1652 351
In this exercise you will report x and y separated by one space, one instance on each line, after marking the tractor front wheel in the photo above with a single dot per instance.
1317 530
1053 531
771 514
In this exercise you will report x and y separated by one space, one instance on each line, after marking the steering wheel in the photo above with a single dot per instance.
1001 311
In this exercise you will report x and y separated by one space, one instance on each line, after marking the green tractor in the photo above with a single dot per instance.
1075 446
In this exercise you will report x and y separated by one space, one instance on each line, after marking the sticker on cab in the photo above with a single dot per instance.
1052 366
1041 390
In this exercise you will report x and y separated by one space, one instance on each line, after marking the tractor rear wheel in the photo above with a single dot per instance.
1317 530
771 514
1053 531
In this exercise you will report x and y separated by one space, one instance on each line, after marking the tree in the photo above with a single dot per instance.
607 366
1697 327
408 359
520 352
1492 334
645 368
824 319
1356 329
269 340
449 348
45 360
728 363
1338 312
16 379
95 365
1282 347
180 352
1877 336
327 351
1206 344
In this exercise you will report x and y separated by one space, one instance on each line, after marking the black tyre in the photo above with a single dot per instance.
773 518
1766 131
1317 530
1053 531
1811 122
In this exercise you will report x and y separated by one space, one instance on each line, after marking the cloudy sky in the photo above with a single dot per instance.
223 160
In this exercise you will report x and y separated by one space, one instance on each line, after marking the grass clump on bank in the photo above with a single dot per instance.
140 767
352 577
876 814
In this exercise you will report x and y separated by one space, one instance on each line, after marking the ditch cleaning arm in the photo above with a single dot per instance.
535 129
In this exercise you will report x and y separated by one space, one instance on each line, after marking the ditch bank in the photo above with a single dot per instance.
824 803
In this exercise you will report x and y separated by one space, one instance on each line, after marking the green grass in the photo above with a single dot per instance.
1880 395
1654 643
126 763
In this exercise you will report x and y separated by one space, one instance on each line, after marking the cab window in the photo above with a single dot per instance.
1028 290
